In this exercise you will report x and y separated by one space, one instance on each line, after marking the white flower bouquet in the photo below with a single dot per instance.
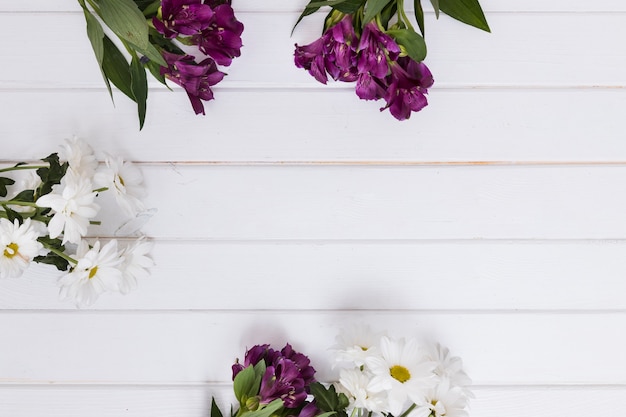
45 213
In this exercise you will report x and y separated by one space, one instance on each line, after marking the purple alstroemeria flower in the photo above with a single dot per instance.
303 363
283 380
375 50
185 17
254 355
221 39
369 87
408 86
340 51
311 58
195 77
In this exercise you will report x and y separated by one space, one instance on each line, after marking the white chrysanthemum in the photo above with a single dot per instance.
18 247
448 366
402 371
97 271
126 182
354 344
354 383
443 401
26 180
79 156
135 264
73 205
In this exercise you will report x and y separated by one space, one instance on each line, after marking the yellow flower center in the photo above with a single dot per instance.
93 271
400 373
11 250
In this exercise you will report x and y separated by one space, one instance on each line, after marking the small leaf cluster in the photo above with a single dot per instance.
392 17
127 20
50 173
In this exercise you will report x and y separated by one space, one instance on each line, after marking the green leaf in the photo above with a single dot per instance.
215 410
435 4
152 53
466 11
117 68
349 6
139 87
53 259
419 15
266 411
373 8
51 175
12 215
155 70
95 33
259 371
27 196
387 13
243 383
411 41
4 182
308 10
125 19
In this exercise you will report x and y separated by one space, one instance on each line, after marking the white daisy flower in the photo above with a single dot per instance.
135 264
96 272
126 182
354 344
354 383
27 180
18 247
443 401
79 156
448 366
73 205
402 371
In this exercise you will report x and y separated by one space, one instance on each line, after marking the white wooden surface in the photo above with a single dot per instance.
493 221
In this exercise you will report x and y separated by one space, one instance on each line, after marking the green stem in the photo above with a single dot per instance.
23 167
59 253
408 410
402 15
18 203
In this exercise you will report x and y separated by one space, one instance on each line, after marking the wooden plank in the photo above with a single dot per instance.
191 347
473 275
366 202
193 401
549 55
297 5
291 125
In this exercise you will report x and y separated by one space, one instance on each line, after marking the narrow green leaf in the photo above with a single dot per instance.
4 181
13 215
125 19
308 10
419 15
53 259
51 175
435 4
139 87
155 70
117 68
215 410
95 33
387 13
27 196
373 8
411 41
259 371
466 11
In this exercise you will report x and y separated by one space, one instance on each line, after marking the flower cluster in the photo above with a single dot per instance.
399 377
46 210
373 44
156 34
378 375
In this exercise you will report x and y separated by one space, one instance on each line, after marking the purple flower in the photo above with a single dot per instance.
221 39
287 376
186 17
283 380
408 85
374 49
340 50
311 58
195 78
